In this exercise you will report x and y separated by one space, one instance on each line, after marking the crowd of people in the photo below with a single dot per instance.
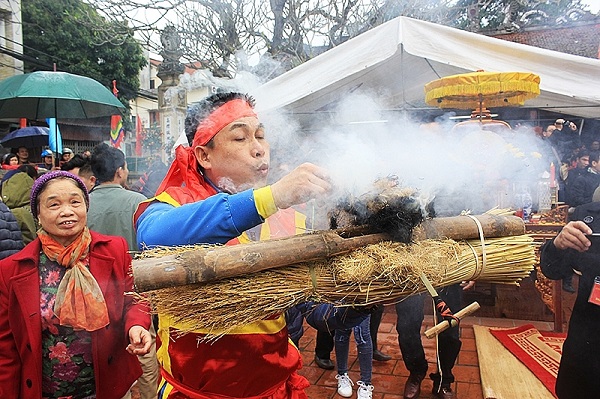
578 165
68 229
576 161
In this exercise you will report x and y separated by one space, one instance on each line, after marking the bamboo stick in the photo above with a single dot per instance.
206 264
384 272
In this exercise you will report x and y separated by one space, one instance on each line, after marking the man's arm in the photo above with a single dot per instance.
215 220
222 217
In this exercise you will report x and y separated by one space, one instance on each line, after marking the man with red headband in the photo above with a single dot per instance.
216 192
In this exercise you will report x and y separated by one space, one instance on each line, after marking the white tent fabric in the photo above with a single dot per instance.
395 60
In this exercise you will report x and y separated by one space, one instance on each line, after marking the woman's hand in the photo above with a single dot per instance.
140 341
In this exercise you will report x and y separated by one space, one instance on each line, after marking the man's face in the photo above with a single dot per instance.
548 132
595 146
596 166
583 162
240 157
48 159
23 153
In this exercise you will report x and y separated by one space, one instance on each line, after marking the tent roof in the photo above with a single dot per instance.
395 60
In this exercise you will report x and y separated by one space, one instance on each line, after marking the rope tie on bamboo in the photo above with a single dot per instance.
445 312
478 269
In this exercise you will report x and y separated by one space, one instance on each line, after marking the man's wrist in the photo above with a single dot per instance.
264 201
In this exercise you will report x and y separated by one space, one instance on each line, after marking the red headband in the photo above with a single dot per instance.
219 118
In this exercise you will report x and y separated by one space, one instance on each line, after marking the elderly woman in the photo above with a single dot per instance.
67 329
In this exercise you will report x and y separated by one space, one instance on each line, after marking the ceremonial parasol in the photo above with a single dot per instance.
29 137
477 90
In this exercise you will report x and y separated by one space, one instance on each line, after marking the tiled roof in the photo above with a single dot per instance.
192 67
578 39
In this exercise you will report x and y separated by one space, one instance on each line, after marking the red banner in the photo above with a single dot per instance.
117 133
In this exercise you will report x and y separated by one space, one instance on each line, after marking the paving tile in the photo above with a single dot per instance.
322 392
312 374
400 370
468 344
385 367
468 374
387 338
392 396
468 358
468 391
387 326
392 349
467 332
393 384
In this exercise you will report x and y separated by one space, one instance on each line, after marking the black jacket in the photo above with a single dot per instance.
579 372
11 240
582 189
573 175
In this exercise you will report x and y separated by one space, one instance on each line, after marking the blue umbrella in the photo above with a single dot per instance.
29 137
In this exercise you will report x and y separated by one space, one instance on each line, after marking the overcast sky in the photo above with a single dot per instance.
594 5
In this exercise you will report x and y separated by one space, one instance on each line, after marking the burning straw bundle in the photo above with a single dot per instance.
380 273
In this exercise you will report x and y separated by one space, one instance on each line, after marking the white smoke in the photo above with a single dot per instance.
471 169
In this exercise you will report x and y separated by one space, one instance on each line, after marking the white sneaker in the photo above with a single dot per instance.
364 391
344 385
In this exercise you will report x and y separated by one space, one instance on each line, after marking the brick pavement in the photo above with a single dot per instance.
389 377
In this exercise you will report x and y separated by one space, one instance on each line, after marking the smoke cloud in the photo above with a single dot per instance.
459 166
468 167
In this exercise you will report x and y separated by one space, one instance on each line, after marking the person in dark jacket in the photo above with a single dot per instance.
11 240
574 249
581 168
582 190
16 195
566 137
582 163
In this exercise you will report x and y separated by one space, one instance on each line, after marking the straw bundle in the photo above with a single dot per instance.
380 273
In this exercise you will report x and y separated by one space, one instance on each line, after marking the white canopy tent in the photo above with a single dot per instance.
395 60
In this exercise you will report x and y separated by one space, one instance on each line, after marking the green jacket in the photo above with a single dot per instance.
111 212
15 194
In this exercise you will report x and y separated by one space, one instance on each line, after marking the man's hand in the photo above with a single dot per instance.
573 236
467 285
302 184
140 341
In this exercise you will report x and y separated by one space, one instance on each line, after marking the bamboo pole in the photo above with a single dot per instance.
206 264
464 227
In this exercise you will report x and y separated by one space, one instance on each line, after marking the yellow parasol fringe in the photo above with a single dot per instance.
492 89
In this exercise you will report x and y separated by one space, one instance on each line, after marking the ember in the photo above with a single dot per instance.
388 208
